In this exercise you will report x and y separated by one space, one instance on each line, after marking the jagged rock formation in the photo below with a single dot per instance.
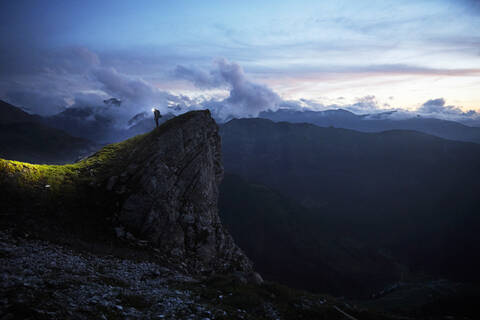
161 187
173 197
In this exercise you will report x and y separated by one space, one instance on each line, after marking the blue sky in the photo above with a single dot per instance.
401 53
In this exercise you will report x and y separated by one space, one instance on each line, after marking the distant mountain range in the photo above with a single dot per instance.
26 137
408 195
92 124
10 114
376 123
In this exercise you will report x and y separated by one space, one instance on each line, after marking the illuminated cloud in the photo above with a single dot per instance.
246 98
436 108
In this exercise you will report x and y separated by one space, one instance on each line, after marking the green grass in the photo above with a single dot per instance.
74 198
103 163
76 192
70 187
65 180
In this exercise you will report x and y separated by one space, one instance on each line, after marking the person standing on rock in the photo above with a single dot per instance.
156 115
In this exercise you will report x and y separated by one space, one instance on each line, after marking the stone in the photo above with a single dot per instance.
255 278
173 194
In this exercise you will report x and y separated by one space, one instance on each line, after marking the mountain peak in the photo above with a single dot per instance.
11 114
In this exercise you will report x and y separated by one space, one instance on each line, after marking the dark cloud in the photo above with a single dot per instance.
45 81
48 81
65 60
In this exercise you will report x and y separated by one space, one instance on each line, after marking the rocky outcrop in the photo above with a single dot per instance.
159 190
172 193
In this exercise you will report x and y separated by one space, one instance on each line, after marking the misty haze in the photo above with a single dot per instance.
239 160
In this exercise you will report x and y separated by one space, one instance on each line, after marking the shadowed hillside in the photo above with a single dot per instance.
24 137
300 246
407 194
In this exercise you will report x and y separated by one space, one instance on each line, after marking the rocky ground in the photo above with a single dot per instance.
42 280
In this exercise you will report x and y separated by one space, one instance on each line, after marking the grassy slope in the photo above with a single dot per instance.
66 180
65 203
34 142
23 137
20 179
71 202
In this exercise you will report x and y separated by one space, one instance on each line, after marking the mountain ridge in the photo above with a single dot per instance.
25 137
341 118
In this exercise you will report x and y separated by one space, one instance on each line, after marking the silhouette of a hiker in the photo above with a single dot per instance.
157 115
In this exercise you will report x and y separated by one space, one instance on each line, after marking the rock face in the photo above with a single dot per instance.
160 188
172 195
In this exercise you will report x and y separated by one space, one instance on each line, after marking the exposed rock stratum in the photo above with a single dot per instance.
173 195
161 187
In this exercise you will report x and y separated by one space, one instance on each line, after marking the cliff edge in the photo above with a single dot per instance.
161 187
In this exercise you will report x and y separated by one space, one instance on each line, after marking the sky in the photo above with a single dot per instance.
242 57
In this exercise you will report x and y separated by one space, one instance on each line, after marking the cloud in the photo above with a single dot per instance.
88 99
246 98
200 78
136 94
124 87
437 108
49 81
46 81
66 60
374 110
364 105
36 101
70 60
